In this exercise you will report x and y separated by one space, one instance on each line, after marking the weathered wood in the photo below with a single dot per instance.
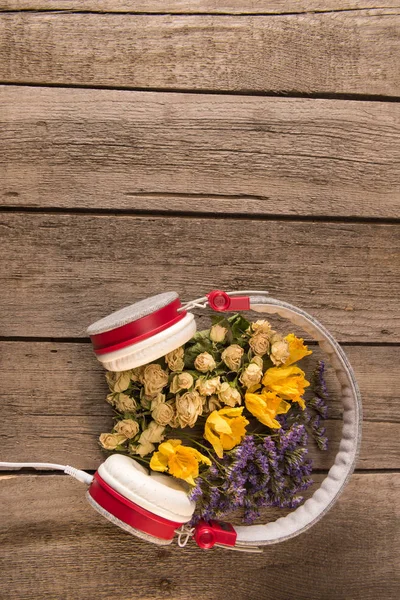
199 6
65 380
214 154
340 53
53 405
59 273
351 553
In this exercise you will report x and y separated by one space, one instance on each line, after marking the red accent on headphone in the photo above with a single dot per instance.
220 301
138 330
207 535
130 513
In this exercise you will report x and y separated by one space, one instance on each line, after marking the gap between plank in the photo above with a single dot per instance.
46 473
71 11
267 94
196 214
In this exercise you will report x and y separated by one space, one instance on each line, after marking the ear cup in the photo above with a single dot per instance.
141 333
151 349
157 493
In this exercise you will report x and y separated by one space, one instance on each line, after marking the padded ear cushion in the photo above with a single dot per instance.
159 494
152 348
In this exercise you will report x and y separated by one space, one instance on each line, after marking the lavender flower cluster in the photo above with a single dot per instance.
269 470
262 471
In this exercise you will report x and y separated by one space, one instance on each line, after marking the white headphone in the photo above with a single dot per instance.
155 506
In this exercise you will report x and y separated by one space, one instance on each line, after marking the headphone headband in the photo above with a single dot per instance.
332 486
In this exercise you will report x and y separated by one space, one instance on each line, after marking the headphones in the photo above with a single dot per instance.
155 507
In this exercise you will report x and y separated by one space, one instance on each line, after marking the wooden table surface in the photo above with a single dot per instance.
190 145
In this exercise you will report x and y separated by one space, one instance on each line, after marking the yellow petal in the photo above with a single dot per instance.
219 424
158 462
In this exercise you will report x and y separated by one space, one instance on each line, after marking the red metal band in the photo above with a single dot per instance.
130 513
139 330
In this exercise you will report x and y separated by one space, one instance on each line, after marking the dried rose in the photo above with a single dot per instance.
156 400
251 375
154 379
206 387
213 403
110 441
124 403
118 382
163 414
218 333
128 427
204 362
137 374
175 360
259 343
261 326
188 407
229 395
258 361
279 352
232 356
182 381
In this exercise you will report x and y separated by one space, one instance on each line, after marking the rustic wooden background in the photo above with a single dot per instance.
187 145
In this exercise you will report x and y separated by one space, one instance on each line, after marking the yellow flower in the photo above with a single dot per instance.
180 461
266 406
225 429
297 349
287 382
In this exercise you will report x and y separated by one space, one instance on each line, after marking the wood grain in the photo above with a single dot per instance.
199 153
59 273
199 6
60 379
340 53
49 524
53 402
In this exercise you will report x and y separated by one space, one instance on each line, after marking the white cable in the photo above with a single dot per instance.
81 476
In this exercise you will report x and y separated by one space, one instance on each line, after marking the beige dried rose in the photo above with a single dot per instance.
175 359
258 361
251 375
163 414
261 326
213 403
204 362
154 379
188 407
157 400
218 333
182 381
118 382
279 351
232 356
142 449
259 343
150 436
206 387
229 395
110 441
137 374
127 427
124 403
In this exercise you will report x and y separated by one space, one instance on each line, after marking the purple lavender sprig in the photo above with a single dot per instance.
261 471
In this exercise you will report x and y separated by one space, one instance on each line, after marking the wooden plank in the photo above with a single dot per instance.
52 541
65 380
59 273
331 53
199 6
53 405
214 154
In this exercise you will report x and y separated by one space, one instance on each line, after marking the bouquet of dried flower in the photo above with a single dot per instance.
226 413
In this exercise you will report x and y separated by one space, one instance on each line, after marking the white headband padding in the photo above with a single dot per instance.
323 499
154 347
159 494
